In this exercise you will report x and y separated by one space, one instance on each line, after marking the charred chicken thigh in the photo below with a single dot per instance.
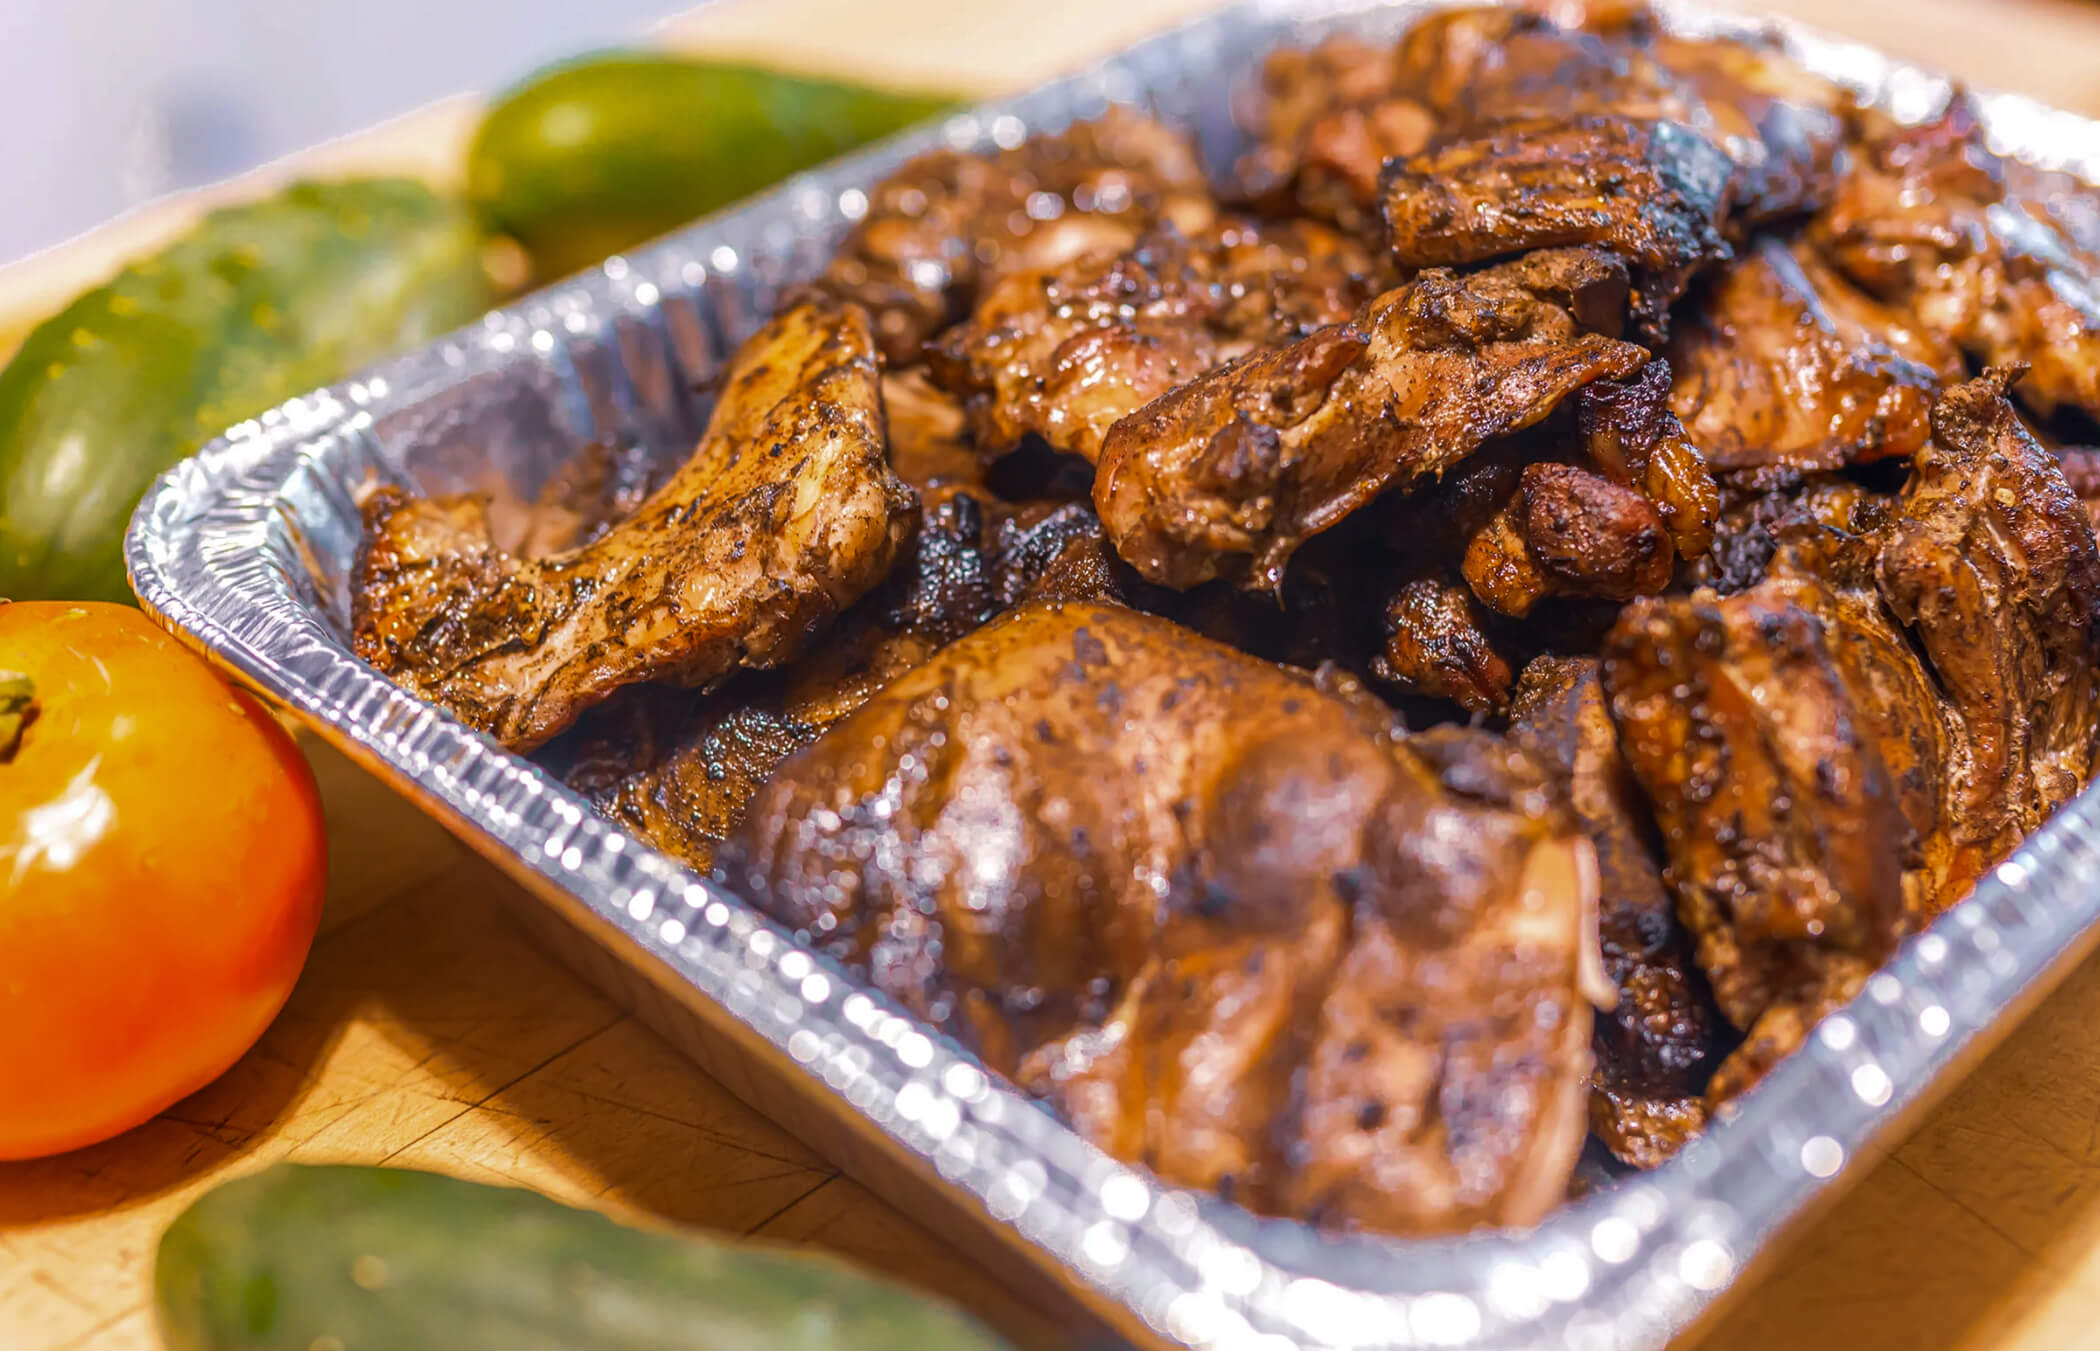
786 512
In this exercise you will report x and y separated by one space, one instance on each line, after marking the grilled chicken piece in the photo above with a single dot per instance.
1608 516
1228 474
1926 223
786 513
947 222
679 769
1785 364
1569 531
1655 1047
1063 352
1330 117
1437 645
1779 820
1992 564
1782 126
1826 560
1653 192
1284 957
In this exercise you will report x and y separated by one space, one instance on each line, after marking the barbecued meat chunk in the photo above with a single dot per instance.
1437 644
1826 559
1991 562
1655 1047
679 769
1653 192
1284 956
1925 222
1063 352
1605 512
1228 474
1330 117
1779 820
1783 363
1756 507
1782 126
942 225
1569 530
786 512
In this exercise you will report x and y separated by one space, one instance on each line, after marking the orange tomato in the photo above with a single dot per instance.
161 869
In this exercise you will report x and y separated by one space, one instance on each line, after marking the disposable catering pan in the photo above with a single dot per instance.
245 551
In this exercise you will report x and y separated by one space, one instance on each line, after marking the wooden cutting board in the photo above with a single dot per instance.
427 1032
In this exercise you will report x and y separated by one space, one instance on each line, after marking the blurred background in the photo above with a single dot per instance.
186 92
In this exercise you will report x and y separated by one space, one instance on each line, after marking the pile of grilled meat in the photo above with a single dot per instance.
1474 634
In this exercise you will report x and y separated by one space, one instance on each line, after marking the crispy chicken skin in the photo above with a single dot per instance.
1655 1047
1991 562
1783 363
786 513
1064 352
1779 820
1926 222
941 226
1285 956
1652 192
1228 474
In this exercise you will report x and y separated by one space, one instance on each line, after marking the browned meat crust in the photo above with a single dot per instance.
941 226
1228 474
1927 222
1283 957
1991 562
1653 192
786 513
1785 364
1062 353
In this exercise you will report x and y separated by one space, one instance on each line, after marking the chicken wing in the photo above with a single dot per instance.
786 513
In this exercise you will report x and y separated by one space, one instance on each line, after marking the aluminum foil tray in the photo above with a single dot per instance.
244 550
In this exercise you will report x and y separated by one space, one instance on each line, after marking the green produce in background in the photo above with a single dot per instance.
592 157
383 1259
259 303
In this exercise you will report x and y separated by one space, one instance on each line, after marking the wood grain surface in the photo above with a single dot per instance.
428 1032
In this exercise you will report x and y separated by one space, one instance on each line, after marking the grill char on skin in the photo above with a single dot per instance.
946 223
1653 192
786 513
1062 353
1228 474
1358 990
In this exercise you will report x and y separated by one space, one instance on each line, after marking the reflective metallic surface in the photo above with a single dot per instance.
245 550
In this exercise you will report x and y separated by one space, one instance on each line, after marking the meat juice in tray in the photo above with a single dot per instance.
1386 686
